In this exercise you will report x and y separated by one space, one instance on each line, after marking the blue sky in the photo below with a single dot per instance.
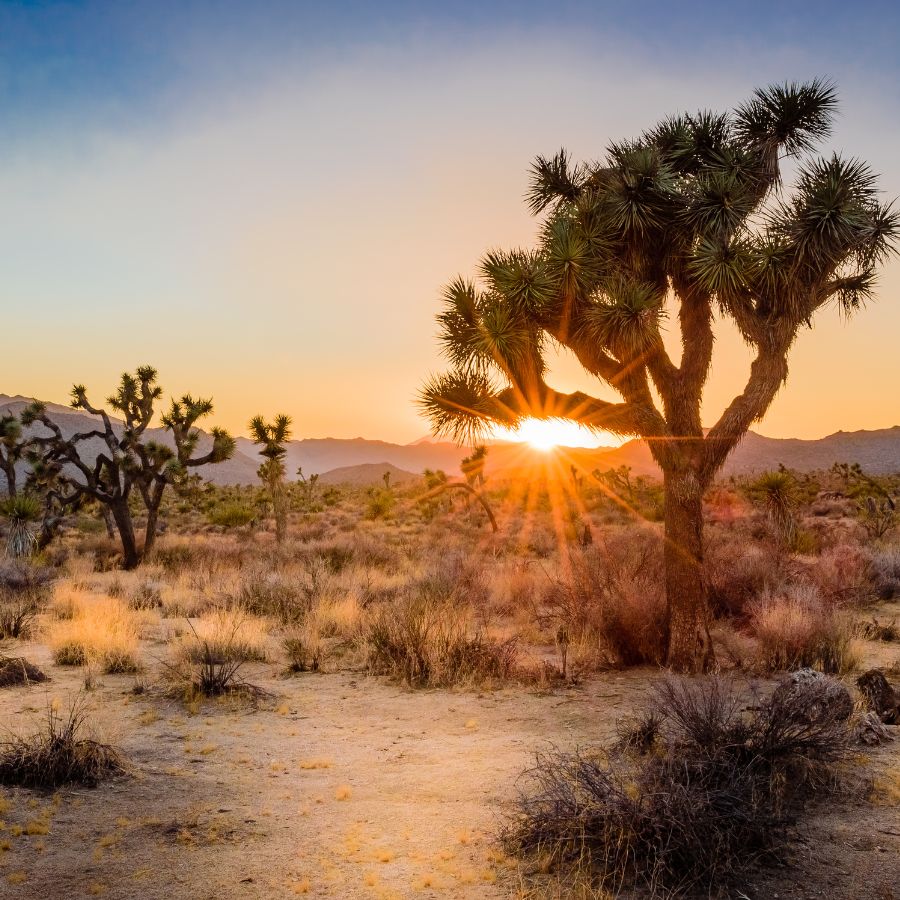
263 199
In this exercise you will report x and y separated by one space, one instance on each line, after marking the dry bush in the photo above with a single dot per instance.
231 632
58 754
695 793
796 630
208 658
24 593
425 642
261 592
842 573
102 631
885 572
739 570
15 670
613 599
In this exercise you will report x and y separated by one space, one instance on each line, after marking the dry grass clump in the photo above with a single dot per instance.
24 593
102 630
613 599
796 630
58 754
695 793
428 643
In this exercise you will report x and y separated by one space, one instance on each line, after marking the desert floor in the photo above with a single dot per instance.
344 785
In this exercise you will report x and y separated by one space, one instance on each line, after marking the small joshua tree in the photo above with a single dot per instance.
473 466
271 436
127 462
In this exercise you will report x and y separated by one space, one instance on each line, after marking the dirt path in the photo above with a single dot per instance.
343 786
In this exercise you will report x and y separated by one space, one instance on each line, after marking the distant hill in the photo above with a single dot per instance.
366 474
878 452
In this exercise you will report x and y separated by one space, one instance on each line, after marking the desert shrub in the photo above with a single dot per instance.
454 578
842 573
380 504
102 630
24 593
885 572
796 630
208 658
17 670
695 793
425 643
268 593
613 597
231 515
147 595
58 754
738 571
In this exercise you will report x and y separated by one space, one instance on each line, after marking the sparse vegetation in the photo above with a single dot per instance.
696 793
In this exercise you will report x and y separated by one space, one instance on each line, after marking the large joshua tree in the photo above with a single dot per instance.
127 461
690 218
271 436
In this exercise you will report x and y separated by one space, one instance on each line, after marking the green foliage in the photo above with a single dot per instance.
380 503
231 514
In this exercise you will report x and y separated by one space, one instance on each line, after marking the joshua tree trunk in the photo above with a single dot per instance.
690 647
122 517
150 532
280 510
108 521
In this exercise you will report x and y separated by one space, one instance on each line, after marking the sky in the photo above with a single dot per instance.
263 200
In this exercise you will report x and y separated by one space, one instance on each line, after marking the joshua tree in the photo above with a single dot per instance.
11 449
473 466
272 437
689 217
308 490
126 461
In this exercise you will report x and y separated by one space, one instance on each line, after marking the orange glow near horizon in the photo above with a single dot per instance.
547 434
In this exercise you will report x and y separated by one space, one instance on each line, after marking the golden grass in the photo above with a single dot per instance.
101 630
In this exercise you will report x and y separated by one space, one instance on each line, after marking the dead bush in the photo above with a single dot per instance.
16 670
58 754
695 794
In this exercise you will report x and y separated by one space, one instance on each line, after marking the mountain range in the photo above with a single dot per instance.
360 461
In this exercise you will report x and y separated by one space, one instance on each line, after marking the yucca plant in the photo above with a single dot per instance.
272 437
689 219
21 511
778 493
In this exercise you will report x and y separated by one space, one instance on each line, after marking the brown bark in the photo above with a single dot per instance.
689 645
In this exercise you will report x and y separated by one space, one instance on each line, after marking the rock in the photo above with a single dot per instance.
815 696
880 697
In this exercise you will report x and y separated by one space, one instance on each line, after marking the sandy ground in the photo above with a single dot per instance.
350 787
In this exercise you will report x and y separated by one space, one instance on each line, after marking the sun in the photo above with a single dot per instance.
547 434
